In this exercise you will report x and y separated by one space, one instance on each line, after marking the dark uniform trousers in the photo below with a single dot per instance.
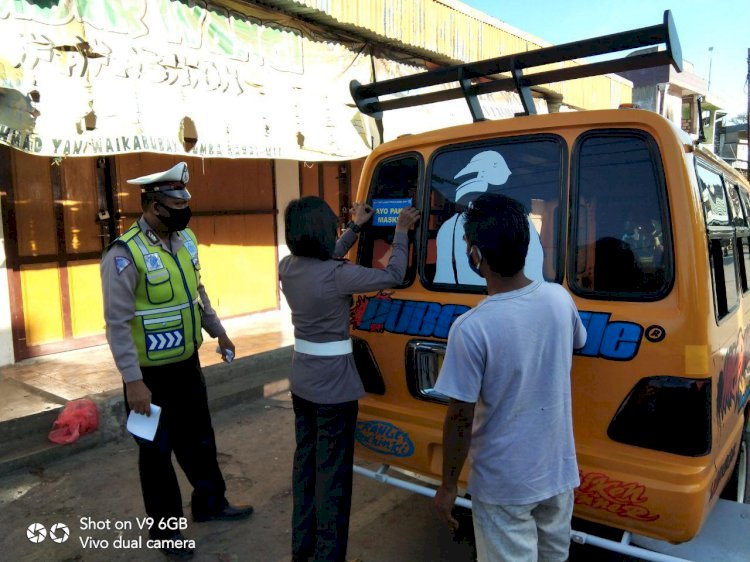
322 479
185 429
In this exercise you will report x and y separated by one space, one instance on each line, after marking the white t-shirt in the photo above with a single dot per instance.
511 355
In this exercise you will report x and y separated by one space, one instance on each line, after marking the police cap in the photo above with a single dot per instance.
172 182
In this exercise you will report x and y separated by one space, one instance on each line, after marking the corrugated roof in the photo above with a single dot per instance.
447 32
439 30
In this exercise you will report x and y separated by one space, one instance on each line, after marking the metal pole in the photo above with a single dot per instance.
381 476
710 62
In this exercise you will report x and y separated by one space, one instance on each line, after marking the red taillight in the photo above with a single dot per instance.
670 414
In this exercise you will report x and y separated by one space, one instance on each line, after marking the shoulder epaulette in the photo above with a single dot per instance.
124 238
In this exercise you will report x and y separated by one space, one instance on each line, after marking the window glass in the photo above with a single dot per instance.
745 201
738 217
714 199
527 169
730 276
743 251
726 295
394 185
621 248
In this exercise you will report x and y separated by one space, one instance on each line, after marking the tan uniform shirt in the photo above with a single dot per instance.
119 305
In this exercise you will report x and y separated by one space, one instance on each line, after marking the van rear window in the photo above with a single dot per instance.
394 186
529 169
620 223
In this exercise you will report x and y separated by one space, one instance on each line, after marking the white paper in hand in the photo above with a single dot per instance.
144 426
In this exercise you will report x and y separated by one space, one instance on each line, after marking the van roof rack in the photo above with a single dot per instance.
367 97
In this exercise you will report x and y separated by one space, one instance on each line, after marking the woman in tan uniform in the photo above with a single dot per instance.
325 385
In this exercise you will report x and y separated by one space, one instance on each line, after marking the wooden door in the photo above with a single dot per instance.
54 240
335 182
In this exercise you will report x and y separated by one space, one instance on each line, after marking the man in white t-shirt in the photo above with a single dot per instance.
507 373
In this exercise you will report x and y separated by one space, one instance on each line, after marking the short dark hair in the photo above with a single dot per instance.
147 198
310 228
498 225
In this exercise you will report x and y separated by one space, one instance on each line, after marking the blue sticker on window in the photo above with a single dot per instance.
384 437
387 210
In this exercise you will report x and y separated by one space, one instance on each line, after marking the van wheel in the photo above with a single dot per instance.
738 487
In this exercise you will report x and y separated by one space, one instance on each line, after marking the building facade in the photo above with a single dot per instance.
254 96
682 97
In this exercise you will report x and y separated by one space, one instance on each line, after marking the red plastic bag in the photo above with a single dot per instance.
77 418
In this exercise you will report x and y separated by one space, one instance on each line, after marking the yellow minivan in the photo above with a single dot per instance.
651 236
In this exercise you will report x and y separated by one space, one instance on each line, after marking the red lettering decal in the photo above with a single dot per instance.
623 499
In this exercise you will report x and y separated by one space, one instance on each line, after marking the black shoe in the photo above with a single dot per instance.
176 550
227 513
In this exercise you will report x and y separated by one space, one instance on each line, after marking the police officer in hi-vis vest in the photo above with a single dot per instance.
155 306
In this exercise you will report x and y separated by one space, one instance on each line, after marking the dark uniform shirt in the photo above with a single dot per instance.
319 294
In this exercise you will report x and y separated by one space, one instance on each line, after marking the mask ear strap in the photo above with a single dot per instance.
479 253
160 204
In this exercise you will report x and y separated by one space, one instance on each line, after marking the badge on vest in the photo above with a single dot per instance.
121 264
164 340
153 262
152 237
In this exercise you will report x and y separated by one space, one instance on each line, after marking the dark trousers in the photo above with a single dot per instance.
322 479
185 429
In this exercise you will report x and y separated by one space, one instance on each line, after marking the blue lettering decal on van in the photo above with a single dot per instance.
384 437
616 341
415 318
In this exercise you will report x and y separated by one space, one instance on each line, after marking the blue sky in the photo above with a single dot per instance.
721 24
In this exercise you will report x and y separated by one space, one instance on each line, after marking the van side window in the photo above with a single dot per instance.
393 183
529 169
722 242
715 206
735 206
622 244
743 241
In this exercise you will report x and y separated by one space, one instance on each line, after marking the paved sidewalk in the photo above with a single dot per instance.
42 383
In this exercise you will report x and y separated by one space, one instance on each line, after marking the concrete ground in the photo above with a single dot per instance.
256 443
44 383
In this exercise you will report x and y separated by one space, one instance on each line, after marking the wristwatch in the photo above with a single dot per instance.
354 227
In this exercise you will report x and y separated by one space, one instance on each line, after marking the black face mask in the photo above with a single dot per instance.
177 220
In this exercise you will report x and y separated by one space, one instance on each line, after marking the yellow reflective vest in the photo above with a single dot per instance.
167 323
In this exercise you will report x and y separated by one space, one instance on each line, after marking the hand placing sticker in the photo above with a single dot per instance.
361 213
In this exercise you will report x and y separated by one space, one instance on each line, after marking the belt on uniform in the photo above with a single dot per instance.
324 349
